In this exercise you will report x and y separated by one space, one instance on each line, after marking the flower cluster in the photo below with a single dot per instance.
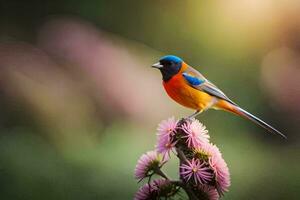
147 164
156 189
203 173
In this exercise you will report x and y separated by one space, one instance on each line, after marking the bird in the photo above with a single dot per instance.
191 89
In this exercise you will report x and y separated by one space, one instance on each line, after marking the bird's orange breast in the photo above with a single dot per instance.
182 93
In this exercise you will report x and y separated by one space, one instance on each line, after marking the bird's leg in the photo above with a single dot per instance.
197 112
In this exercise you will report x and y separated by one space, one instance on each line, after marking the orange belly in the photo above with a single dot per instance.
186 95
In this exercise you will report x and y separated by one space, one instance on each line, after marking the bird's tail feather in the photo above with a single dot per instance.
241 112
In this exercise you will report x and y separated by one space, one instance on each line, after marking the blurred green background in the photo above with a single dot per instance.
79 102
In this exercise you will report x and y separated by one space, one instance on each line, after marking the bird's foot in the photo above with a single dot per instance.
190 117
193 115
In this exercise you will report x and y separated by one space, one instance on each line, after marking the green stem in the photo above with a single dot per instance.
158 171
184 185
181 155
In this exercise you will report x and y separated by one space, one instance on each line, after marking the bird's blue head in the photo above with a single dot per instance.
169 66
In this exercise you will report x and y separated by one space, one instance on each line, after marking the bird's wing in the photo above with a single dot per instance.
199 82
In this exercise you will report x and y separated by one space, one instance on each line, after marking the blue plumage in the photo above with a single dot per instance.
192 80
171 58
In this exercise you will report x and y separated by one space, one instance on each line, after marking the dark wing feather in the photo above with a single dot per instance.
206 86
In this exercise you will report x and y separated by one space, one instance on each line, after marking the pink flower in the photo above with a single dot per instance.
218 165
147 164
167 128
196 169
196 133
165 146
155 190
207 192
144 192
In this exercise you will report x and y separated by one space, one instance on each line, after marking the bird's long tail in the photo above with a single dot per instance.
224 105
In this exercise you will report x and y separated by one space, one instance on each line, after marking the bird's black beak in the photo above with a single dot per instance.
157 65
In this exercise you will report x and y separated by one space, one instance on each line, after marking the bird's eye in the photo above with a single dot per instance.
169 63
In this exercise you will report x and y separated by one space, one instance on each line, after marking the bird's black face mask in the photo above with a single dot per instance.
168 66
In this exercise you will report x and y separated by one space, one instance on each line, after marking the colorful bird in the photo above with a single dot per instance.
190 88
